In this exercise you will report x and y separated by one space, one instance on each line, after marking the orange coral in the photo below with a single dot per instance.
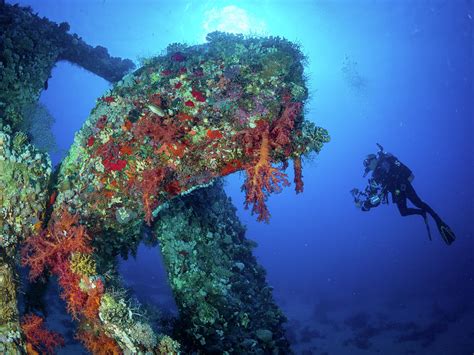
231 166
52 248
298 175
282 128
71 292
92 304
99 344
156 129
151 180
264 138
30 350
38 338
262 179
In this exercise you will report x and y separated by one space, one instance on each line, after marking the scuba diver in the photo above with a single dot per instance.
391 175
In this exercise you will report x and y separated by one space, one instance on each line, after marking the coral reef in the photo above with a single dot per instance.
23 188
24 174
155 145
29 48
38 338
10 331
177 124
168 346
224 303
127 323
171 127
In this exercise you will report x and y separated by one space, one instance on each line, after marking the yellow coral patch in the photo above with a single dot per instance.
83 264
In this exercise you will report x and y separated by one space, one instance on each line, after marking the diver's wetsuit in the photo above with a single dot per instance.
396 178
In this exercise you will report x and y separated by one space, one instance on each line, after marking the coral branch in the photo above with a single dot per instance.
149 187
281 130
98 343
298 175
64 249
262 179
52 248
38 338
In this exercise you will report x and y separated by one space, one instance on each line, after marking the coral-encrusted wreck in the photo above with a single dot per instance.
147 164
186 118
29 48
177 124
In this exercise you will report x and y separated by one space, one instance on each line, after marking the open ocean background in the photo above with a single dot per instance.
399 73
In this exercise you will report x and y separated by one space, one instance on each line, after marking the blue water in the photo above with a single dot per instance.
398 73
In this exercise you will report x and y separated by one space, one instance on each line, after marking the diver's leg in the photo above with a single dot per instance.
446 233
416 200
401 201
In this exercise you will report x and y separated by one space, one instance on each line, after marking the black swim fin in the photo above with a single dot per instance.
446 233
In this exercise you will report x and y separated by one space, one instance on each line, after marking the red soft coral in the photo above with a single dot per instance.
111 154
157 129
251 138
262 179
282 128
52 248
38 338
76 299
92 304
298 175
149 187
98 343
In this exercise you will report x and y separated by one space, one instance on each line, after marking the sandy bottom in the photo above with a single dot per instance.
324 326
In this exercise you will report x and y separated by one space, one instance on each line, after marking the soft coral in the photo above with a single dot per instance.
262 179
149 187
111 154
52 248
38 338
76 299
155 130
282 128
98 343
298 175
